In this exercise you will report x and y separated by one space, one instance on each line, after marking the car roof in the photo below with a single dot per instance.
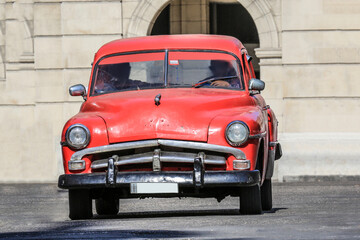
183 41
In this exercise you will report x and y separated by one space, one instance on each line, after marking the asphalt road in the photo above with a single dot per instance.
301 211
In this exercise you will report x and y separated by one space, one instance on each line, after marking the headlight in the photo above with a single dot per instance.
237 133
77 136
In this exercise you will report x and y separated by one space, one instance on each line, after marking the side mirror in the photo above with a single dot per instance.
256 85
78 90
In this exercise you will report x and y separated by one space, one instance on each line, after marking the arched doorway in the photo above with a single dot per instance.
162 23
215 17
234 20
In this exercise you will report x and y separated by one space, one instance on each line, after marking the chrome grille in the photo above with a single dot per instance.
164 156
158 151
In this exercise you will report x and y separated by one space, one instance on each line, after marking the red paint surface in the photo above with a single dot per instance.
184 114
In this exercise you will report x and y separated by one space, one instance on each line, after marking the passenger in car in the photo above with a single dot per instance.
116 77
103 81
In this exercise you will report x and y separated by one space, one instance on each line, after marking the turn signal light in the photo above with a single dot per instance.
77 165
241 164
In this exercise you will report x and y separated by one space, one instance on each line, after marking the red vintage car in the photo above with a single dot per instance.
170 116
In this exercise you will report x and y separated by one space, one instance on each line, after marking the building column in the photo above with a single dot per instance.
188 16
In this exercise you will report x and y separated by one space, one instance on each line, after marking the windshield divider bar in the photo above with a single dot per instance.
166 65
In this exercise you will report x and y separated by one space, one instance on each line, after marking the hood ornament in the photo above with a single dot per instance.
157 99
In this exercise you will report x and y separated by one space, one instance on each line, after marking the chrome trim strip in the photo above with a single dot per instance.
273 144
166 67
134 160
156 160
115 147
266 107
189 158
237 153
165 156
260 135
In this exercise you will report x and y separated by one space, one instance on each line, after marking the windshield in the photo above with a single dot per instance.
184 69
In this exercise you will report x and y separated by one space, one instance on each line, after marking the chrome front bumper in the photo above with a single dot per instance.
191 179
189 182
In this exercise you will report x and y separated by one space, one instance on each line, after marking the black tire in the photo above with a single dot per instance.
250 200
80 204
266 195
107 206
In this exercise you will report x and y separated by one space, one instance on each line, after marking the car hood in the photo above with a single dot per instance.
183 114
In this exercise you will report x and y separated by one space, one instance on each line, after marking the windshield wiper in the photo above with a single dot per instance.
201 83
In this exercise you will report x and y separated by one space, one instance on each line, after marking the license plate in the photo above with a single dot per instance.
136 188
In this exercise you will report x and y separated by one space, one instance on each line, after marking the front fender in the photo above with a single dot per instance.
253 117
98 137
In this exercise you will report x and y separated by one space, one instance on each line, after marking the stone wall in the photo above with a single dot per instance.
309 56
49 46
321 87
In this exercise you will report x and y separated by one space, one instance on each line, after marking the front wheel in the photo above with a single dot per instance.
80 204
250 200
266 195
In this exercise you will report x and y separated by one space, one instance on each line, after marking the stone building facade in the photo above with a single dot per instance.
308 53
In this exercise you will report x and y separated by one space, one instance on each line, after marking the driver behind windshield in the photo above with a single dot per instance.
222 68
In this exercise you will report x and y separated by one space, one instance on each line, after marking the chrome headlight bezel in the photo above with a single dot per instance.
237 143
77 146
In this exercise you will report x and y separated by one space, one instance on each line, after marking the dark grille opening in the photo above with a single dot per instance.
177 167
166 167
144 167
